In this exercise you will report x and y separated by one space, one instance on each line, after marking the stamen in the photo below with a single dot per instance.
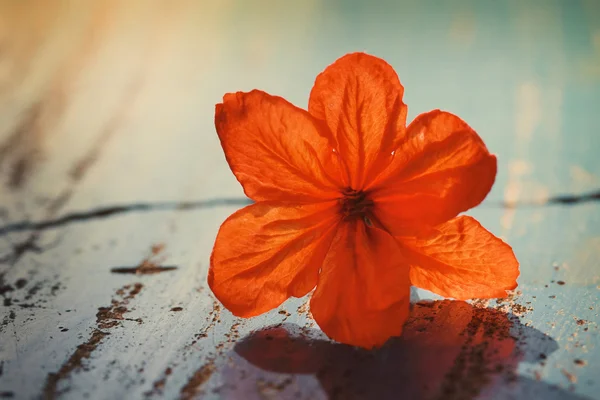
356 204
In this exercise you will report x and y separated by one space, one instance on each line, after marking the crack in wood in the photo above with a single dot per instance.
109 211
105 212
149 265
140 270
565 199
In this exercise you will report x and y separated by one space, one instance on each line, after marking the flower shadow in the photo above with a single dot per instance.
449 350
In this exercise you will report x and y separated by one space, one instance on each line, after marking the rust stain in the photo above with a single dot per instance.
129 292
233 335
304 309
157 248
571 377
198 379
106 318
214 316
74 363
159 384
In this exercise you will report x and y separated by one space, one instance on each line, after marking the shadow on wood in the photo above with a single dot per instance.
449 350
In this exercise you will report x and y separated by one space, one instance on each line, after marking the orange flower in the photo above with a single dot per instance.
351 200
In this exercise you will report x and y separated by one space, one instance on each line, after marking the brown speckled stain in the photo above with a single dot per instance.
194 385
74 363
571 377
269 389
474 367
214 316
159 384
233 335
508 304
106 318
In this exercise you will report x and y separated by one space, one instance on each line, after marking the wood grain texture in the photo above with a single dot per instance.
113 187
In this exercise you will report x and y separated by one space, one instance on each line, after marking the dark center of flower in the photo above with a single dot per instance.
356 204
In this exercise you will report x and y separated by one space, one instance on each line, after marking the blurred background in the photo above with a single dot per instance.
111 102
140 78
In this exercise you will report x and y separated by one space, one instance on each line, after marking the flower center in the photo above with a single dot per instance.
355 204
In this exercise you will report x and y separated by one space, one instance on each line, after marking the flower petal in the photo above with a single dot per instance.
360 99
463 261
362 297
440 169
275 149
267 252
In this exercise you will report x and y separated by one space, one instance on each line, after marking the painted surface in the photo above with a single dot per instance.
113 186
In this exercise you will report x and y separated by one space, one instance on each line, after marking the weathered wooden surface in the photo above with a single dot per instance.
109 161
